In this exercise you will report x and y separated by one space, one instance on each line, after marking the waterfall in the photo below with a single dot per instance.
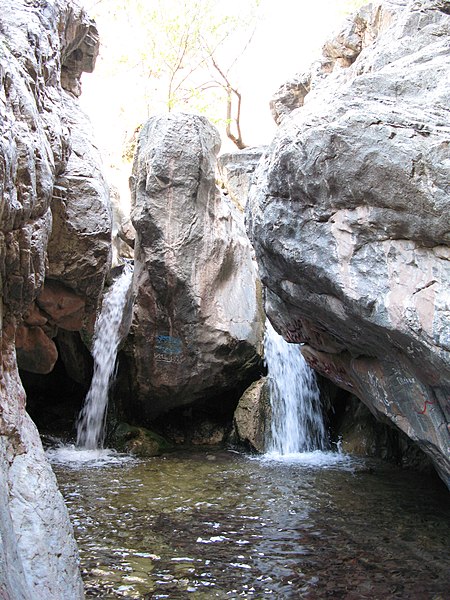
91 420
297 422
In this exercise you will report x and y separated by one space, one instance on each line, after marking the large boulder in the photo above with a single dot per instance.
44 47
197 327
349 217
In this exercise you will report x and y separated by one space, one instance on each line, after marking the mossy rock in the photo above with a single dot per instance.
139 441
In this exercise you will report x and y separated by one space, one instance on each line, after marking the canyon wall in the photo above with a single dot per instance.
349 216
54 255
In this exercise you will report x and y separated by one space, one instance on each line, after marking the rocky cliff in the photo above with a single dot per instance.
349 216
197 324
54 255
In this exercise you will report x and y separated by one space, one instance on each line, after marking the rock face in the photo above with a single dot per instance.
350 217
46 168
79 249
236 172
196 327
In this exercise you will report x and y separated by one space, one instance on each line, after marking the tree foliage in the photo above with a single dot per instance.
185 52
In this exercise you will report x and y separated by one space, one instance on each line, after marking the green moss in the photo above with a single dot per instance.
139 441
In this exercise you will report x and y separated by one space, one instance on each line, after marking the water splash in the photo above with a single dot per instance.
91 421
297 423
80 458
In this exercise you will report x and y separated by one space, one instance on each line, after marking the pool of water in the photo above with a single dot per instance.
224 525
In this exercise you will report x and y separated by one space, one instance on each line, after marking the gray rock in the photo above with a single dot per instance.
38 554
79 248
41 45
196 329
236 170
358 32
75 357
349 217
357 432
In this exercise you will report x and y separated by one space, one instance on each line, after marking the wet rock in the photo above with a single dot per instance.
349 219
194 426
139 441
75 357
252 417
357 432
196 328
208 433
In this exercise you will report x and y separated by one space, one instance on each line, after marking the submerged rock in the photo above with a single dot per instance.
196 328
139 441
349 217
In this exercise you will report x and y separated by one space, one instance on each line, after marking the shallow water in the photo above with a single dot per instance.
224 525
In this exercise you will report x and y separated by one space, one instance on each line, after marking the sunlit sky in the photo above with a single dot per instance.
288 38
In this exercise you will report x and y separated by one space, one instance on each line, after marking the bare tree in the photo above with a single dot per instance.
184 53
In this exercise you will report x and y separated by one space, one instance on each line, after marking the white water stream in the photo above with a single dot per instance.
91 421
297 423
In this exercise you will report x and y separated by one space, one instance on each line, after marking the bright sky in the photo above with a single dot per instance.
287 40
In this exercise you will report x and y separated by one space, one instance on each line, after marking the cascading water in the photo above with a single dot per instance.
297 422
91 421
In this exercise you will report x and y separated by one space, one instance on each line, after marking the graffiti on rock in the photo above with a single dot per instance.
168 349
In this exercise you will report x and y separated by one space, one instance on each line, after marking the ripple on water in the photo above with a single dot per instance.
182 526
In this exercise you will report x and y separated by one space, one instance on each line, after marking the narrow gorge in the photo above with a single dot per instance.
257 357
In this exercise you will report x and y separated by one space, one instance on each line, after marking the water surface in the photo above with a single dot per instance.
223 525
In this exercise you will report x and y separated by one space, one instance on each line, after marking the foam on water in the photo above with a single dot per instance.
78 458
317 459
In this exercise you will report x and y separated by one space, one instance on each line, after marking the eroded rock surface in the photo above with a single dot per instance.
196 327
350 218
44 47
